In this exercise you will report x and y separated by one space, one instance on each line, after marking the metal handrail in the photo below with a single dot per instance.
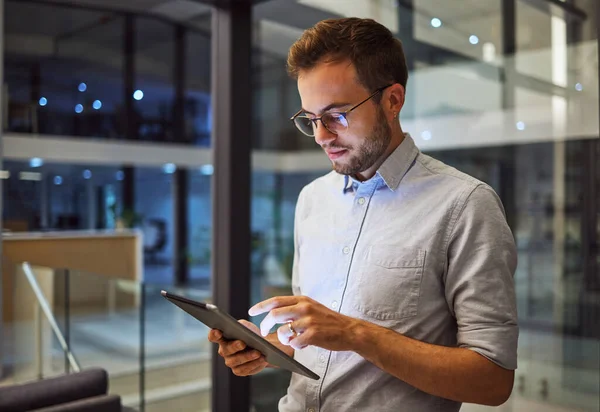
43 304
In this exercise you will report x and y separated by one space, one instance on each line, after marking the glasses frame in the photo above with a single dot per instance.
344 114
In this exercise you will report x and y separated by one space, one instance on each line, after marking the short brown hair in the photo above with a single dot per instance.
376 54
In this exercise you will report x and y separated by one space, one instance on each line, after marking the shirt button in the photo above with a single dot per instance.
361 200
321 358
334 304
346 250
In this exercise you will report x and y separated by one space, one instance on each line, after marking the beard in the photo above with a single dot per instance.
369 151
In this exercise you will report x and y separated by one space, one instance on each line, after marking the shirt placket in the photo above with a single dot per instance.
361 198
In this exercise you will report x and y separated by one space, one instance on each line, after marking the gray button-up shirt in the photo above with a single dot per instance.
420 248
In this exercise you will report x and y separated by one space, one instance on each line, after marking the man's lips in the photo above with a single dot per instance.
335 153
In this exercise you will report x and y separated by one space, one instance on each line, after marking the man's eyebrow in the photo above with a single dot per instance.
328 107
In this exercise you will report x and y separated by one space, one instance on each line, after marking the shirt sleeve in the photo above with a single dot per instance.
479 283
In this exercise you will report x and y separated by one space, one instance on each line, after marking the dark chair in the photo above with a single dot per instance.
155 237
85 391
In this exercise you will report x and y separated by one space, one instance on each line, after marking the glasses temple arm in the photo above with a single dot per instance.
296 115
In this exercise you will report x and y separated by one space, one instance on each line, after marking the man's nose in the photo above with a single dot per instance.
322 135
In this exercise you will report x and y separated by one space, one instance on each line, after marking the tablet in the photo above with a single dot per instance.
214 318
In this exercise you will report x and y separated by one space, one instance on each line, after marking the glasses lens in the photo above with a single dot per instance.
305 125
335 122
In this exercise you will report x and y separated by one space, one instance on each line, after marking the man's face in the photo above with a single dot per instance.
334 87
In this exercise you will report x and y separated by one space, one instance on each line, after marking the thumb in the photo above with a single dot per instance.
250 326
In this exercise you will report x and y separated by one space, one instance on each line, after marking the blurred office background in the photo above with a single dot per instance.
107 116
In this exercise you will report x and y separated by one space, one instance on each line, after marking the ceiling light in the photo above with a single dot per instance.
35 162
169 168
435 22
207 170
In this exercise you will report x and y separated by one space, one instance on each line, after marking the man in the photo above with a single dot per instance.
403 273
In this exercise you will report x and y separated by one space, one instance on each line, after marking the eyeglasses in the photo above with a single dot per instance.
335 122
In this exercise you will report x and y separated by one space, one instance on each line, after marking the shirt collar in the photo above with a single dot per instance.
394 167
347 183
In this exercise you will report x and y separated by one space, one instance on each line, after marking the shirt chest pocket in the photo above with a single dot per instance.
389 282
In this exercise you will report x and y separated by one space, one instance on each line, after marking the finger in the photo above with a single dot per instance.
279 315
230 348
260 365
250 326
301 341
215 335
246 323
250 368
242 358
270 304
284 334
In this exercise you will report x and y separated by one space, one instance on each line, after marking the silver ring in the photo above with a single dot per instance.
291 328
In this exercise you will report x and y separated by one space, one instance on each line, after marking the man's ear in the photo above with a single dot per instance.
395 99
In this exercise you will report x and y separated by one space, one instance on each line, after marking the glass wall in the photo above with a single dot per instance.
93 72
197 90
55 196
68 70
154 210
63 70
154 93
199 226
92 80
510 97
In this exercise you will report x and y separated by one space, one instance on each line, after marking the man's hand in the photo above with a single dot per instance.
243 361
313 323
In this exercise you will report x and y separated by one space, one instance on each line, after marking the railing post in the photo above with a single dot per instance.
112 297
42 306
39 352
142 347
67 319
